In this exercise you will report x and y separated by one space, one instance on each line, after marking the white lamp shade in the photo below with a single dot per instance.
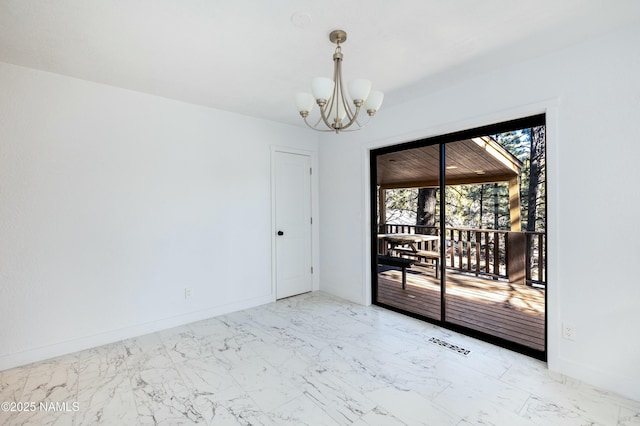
322 88
359 89
304 102
374 101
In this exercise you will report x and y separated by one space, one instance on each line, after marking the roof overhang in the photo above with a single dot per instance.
468 161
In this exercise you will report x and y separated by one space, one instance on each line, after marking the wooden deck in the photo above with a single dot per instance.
510 311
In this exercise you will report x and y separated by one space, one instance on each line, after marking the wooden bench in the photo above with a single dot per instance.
399 262
434 256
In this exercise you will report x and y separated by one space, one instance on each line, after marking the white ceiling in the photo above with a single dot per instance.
252 56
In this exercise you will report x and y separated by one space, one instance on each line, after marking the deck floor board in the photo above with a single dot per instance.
510 311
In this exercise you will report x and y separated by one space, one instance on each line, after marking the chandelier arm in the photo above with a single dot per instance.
360 126
351 116
314 127
365 123
323 114
337 87
328 107
344 98
353 120
347 107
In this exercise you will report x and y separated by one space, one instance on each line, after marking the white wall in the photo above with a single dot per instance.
112 202
591 93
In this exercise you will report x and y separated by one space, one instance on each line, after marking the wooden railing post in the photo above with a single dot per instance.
516 257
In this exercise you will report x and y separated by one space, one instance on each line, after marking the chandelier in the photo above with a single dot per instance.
339 111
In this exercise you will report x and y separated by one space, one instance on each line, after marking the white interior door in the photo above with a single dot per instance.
292 180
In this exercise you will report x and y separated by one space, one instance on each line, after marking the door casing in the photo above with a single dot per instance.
292 216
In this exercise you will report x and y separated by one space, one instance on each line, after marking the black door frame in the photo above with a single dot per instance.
442 140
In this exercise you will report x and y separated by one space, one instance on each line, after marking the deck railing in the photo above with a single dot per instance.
483 252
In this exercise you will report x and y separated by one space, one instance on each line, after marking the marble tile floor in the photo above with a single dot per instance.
308 360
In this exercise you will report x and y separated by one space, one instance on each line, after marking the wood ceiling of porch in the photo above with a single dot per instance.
469 161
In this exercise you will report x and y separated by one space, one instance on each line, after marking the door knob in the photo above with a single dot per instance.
280 233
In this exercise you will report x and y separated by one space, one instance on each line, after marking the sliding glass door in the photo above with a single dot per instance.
486 278
407 232
459 232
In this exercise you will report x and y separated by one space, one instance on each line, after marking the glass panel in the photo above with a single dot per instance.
493 276
408 230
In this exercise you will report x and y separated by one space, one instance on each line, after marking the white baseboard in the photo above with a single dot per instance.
623 386
62 348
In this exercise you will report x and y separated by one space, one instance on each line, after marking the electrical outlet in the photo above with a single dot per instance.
568 332
188 293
